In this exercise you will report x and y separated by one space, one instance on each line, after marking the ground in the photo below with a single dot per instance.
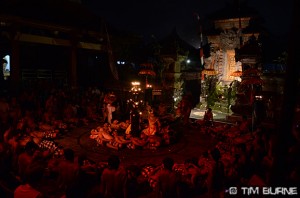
191 144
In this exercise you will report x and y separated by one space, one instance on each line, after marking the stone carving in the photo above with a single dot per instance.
229 40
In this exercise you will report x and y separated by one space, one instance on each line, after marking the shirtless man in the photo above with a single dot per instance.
113 179
118 142
103 135
153 126
167 179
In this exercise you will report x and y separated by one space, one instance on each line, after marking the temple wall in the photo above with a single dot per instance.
230 23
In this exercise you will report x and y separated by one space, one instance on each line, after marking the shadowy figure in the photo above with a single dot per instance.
167 180
113 179
33 176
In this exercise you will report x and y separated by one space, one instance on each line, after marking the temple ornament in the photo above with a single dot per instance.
229 40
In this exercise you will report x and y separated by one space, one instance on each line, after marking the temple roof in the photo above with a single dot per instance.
250 48
60 12
236 11
233 11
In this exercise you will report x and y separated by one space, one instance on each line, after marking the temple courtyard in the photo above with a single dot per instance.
191 144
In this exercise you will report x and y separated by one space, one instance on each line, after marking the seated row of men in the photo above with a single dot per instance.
41 134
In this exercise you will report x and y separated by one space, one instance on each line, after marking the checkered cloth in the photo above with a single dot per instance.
147 170
131 146
58 152
179 168
62 126
48 145
51 146
152 146
48 134
152 183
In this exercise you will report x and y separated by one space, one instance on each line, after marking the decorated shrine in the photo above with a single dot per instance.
232 27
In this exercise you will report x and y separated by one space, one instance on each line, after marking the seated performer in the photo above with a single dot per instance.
94 134
207 119
166 134
154 125
115 125
138 142
103 135
37 137
118 142
124 125
120 138
154 142
150 130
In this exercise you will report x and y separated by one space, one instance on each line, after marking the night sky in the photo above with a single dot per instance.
160 17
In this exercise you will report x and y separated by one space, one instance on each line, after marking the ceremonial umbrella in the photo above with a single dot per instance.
209 72
237 73
250 72
252 81
147 72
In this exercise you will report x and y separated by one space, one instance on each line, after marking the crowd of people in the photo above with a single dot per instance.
154 132
30 123
33 164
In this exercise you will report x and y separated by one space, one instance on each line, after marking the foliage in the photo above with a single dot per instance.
211 91
282 58
178 91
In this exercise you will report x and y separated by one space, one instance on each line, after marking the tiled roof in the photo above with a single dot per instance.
232 11
61 12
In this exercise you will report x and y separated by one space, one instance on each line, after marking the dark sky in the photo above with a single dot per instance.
159 17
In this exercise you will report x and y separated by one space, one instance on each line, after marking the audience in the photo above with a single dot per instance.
114 179
67 170
167 180
30 159
33 176
25 158
216 175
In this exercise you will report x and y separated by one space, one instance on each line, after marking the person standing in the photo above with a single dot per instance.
33 176
216 176
109 108
114 179
67 171
167 180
